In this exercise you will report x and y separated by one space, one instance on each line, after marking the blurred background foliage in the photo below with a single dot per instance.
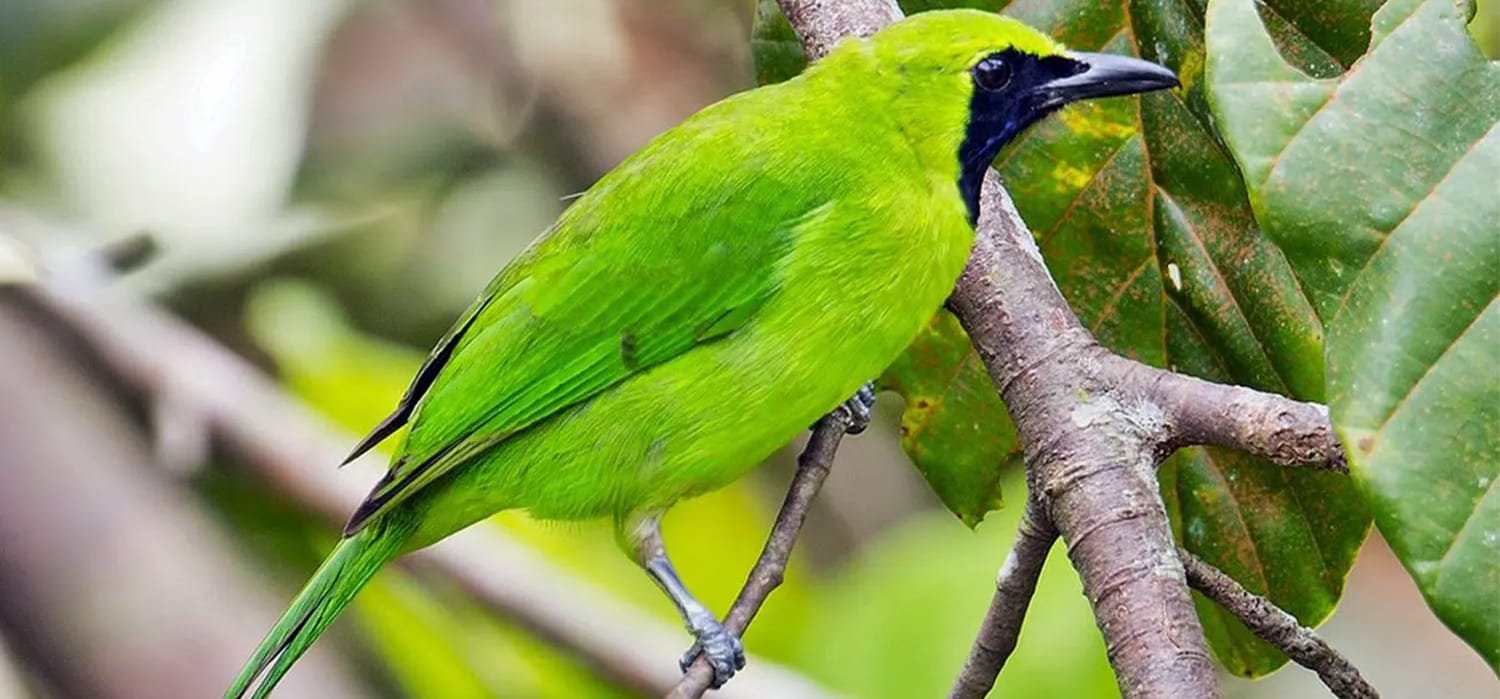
330 182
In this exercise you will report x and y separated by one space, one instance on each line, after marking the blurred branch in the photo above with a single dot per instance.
1094 425
295 453
1278 628
114 579
12 682
769 570
1014 587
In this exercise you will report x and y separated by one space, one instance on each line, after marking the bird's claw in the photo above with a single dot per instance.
856 411
725 652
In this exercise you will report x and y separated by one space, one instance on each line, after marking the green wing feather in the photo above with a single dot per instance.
608 293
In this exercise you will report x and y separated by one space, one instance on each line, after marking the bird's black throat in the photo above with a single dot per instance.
1000 112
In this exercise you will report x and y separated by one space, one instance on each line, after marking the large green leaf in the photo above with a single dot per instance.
941 378
1381 187
1145 224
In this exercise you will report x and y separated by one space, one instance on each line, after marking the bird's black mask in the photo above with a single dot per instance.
1013 90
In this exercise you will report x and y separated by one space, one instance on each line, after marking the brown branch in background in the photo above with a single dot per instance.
12 681
769 570
1278 628
117 583
1014 587
294 451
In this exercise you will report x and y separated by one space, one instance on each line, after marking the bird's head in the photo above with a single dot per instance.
965 83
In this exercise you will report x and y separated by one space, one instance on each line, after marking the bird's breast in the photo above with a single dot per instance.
860 284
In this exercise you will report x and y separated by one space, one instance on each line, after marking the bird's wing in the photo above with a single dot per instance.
609 293
428 372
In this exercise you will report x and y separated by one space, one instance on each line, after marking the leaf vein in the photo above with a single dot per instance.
1411 390
1385 236
1280 155
1234 300
1463 529
1239 516
1094 177
1120 289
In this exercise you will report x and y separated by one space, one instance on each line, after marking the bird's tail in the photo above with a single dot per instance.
346 570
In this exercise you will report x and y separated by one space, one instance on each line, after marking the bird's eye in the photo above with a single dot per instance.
992 74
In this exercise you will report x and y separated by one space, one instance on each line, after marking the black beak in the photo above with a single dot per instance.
1107 75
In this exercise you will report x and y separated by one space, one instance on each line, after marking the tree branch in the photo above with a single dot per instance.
1278 628
1276 428
12 682
1093 438
1014 587
295 453
1092 448
770 569
821 24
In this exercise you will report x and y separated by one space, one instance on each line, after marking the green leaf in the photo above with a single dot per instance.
1146 226
1380 186
416 639
778 52
1329 36
941 378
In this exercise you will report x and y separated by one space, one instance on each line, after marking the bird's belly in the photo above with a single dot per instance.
681 429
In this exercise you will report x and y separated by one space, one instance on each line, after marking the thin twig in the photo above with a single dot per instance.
770 569
1014 587
1278 628
295 452
12 681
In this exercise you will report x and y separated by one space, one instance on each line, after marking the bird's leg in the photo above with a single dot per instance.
856 411
640 534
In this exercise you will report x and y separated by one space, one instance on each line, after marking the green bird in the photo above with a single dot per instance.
743 274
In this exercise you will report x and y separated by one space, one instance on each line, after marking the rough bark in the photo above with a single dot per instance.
1092 445
1014 586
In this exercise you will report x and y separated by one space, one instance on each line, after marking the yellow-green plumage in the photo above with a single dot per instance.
699 306
794 238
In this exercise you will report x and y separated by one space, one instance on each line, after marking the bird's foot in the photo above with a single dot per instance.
723 650
856 411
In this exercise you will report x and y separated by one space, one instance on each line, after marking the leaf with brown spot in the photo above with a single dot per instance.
941 378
